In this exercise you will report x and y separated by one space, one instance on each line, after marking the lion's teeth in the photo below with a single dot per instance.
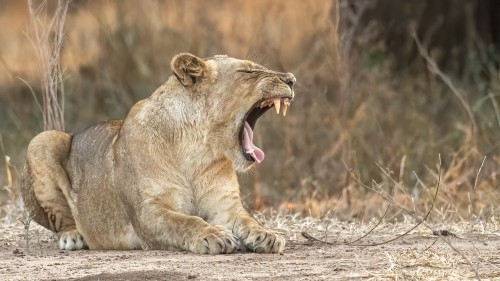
285 107
277 104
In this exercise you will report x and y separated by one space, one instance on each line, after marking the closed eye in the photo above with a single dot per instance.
257 70
245 70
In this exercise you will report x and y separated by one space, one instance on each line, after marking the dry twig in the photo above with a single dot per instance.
373 228
310 237
27 237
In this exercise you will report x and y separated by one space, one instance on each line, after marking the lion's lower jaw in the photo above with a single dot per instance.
239 162
243 167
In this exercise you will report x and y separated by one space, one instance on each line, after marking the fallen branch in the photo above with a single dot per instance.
312 238
446 240
373 228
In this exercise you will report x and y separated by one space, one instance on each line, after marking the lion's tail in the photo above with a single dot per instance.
30 201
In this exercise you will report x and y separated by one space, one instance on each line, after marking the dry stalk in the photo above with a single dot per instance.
495 106
32 93
47 40
396 183
10 181
8 171
387 197
433 68
477 175
27 237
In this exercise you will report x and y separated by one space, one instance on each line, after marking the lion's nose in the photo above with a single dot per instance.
289 79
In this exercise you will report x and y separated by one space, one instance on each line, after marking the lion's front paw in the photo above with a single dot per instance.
263 241
214 240
71 240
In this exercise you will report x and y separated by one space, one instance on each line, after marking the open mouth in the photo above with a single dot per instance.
249 149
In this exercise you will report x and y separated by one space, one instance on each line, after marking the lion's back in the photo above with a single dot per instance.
91 157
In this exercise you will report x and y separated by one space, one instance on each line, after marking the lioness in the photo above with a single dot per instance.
165 177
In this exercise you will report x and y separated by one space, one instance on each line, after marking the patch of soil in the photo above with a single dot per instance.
418 256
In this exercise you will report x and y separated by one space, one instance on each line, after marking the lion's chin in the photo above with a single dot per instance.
240 162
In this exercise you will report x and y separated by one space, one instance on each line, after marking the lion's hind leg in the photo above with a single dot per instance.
46 187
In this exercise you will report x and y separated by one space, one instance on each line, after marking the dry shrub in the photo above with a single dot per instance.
46 36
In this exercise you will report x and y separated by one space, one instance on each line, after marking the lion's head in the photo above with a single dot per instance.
232 94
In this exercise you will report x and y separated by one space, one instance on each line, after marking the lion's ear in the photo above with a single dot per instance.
189 68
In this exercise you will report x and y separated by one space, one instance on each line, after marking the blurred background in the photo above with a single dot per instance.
373 115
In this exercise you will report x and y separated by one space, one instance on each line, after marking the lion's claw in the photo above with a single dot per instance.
71 240
214 240
264 241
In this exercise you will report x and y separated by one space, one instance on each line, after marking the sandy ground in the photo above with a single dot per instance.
417 256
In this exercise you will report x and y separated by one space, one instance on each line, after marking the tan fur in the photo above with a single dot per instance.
163 178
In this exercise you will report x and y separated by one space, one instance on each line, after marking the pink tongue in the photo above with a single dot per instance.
250 148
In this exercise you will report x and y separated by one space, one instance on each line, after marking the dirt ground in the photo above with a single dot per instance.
417 256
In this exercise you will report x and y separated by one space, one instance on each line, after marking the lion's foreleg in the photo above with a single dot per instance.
168 228
225 208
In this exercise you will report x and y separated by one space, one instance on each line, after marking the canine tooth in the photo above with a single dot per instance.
285 107
277 104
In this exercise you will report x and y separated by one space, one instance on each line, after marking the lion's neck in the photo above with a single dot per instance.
178 125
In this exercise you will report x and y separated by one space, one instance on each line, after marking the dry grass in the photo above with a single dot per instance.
431 257
354 116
